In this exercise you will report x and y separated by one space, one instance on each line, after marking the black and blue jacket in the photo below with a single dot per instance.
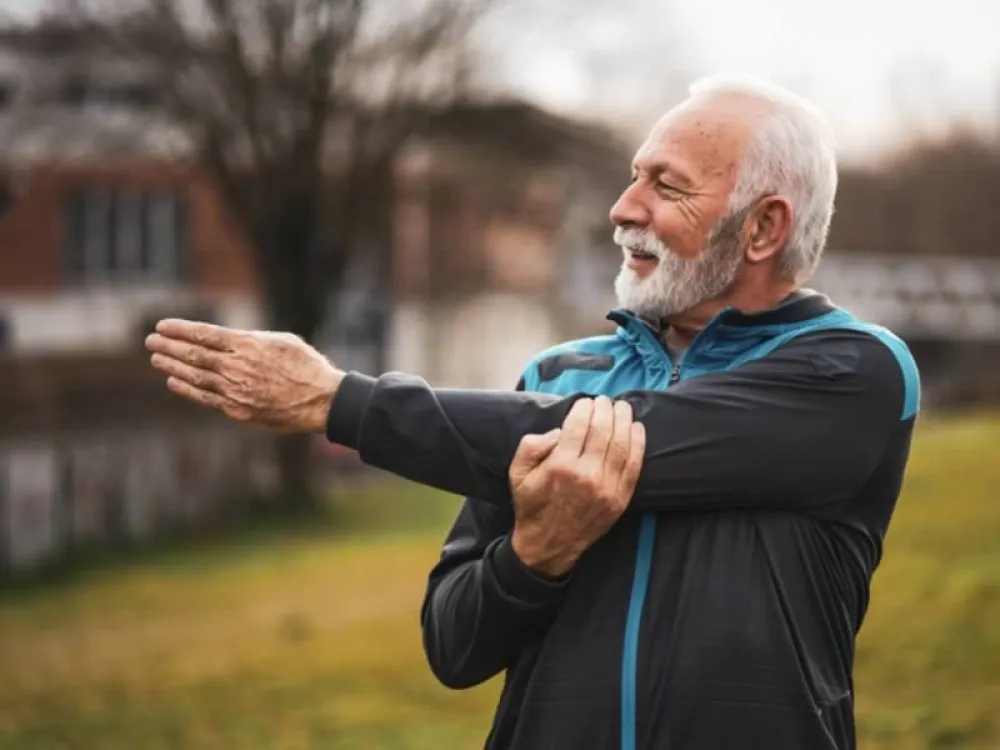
721 611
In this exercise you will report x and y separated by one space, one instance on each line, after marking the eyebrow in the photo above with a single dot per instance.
676 175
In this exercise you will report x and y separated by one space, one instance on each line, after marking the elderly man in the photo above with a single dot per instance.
715 601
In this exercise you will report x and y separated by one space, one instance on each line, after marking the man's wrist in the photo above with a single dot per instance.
352 393
551 568
324 401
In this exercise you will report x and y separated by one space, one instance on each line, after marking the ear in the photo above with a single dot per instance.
768 228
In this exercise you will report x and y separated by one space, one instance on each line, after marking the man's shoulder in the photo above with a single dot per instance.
592 354
878 350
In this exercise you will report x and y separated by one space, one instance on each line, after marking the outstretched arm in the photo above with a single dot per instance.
803 428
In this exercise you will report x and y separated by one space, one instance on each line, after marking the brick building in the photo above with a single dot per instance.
106 225
94 252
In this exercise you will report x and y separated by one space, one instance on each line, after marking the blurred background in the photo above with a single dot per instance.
423 186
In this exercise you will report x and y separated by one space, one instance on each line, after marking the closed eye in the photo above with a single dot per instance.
669 190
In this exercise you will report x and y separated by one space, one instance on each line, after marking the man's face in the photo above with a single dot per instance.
680 248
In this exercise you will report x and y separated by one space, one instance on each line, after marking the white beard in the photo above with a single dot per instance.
676 284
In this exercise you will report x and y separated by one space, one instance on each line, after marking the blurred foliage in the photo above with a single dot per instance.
312 639
297 112
936 197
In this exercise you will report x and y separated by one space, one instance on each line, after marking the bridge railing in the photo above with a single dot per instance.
957 298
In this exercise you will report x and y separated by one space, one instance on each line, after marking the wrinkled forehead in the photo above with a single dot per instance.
702 141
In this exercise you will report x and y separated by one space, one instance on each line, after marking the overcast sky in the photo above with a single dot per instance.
881 69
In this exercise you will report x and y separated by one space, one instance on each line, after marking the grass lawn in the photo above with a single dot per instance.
290 640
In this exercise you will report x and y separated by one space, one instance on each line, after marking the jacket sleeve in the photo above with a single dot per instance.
800 429
482 605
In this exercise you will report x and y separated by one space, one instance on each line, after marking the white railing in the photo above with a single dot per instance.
108 319
935 297
939 297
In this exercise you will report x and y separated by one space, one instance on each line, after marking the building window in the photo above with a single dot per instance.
124 235
8 92
72 93
131 95
76 93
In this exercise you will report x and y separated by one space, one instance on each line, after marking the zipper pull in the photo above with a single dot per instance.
675 374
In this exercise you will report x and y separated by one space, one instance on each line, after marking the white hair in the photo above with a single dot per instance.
792 153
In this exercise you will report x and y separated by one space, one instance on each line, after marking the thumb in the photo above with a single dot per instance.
532 450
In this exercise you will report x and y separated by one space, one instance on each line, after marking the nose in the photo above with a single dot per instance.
630 210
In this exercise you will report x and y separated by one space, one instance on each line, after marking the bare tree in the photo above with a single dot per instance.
296 108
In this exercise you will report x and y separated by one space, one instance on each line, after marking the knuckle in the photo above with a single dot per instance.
239 392
241 381
231 382
562 469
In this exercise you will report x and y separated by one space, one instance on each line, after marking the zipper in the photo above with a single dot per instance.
643 564
637 599
640 580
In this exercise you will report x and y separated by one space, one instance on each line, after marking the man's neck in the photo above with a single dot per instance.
682 328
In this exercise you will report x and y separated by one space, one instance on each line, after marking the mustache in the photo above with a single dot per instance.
630 238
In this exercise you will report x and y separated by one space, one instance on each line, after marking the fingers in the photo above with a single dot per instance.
621 438
629 476
212 400
614 462
587 434
533 449
205 380
531 452
196 395
575 428
204 334
190 354
602 427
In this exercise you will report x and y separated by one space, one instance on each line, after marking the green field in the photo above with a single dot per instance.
286 640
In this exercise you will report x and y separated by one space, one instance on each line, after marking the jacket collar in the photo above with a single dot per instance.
798 307
728 334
